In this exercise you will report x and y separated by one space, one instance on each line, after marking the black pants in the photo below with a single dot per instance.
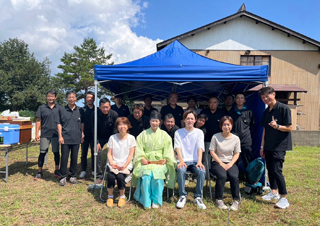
84 153
275 160
43 155
65 150
246 155
120 177
222 175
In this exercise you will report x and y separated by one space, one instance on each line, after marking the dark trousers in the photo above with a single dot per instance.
275 160
222 175
246 155
43 155
84 153
65 151
120 177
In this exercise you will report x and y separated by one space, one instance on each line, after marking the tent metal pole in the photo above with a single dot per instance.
94 186
265 188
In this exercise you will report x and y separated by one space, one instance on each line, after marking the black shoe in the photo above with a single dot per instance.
38 176
57 173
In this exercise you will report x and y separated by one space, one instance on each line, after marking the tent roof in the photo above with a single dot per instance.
179 66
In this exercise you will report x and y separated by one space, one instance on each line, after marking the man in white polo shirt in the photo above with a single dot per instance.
189 145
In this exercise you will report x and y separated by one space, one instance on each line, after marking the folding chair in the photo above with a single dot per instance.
209 175
104 185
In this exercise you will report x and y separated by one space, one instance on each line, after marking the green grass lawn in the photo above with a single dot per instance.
24 201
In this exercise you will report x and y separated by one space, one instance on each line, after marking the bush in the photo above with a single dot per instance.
27 113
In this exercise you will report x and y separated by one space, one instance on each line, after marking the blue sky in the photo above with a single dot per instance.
166 19
130 29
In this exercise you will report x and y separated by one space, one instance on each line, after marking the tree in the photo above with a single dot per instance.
24 80
78 67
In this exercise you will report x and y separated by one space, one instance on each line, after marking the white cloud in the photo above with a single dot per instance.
53 27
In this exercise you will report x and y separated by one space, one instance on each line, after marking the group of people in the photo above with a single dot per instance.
158 148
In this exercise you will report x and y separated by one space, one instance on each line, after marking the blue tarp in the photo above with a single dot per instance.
176 63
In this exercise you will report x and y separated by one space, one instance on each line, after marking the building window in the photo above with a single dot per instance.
255 61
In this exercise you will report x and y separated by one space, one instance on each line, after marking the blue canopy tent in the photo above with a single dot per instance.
176 68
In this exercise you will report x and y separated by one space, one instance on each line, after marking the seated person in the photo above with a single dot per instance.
225 150
189 145
153 162
138 120
169 126
148 107
120 153
121 109
201 123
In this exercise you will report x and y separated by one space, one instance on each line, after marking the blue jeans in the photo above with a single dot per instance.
199 174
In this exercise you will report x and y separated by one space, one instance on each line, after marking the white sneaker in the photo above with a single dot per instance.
181 202
155 206
82 174
234 206
271 196
200 204
283 203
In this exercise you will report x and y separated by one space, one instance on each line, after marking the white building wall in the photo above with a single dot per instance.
244 34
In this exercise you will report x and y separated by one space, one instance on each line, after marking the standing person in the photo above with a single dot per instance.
106 127
138 120
87 133
169 126
243 121
276 140
148 107
228 104
225 151
174 109
189 145
69 129
201 123
192 101
212 125
120 153
121 109
46 121
153 162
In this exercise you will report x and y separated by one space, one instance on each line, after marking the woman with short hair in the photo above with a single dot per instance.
121 148
225 150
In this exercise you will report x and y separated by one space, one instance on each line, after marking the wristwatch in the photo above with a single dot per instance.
278 126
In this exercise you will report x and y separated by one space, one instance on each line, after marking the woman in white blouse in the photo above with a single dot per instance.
225 151
121 148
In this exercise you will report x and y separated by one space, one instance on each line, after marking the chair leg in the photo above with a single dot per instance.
104 183
209 179
130 191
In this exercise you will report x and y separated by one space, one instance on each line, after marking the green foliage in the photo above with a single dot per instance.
27 113
24 79
78 67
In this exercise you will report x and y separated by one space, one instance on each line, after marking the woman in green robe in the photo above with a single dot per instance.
153 162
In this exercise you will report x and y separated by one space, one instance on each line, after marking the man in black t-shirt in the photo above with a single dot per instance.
46 122
173 108
228 104
243 121
87 133
119 107
148 107
106 127
69 130
276 140
214 115
169 126
138 120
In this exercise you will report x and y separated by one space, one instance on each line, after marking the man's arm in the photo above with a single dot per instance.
38 126
61 140
199 163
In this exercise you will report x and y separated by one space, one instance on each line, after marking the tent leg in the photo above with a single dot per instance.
266 187
95 185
